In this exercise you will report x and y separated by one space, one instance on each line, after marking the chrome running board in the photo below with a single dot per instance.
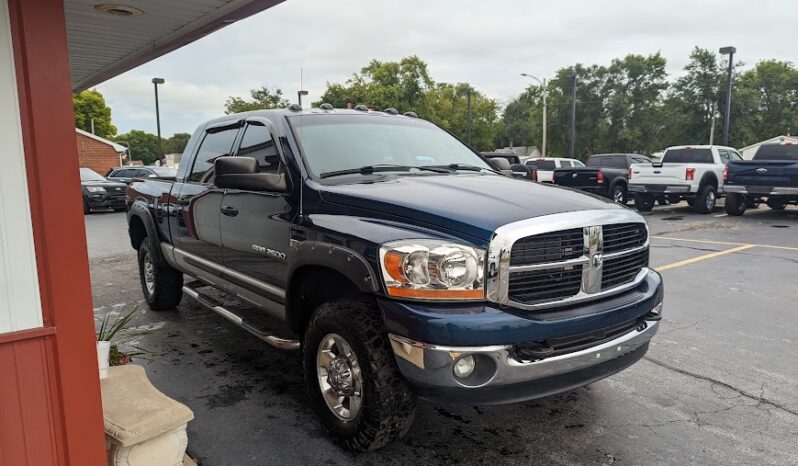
212 304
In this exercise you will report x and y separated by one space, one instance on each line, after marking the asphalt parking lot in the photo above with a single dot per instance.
718 386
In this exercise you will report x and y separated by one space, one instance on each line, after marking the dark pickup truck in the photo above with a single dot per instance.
400 262
770 176
603 174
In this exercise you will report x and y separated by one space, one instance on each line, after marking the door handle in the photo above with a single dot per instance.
229 211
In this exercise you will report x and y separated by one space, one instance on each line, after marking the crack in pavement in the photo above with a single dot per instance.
759 398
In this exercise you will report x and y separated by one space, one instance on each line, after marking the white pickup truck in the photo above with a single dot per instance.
694 173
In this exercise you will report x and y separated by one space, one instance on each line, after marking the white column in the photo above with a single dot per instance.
20 305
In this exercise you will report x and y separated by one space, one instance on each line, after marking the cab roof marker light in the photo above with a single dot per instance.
410 114
361 108
391 111
326 106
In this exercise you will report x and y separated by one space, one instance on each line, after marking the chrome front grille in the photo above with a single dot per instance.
556 260
624 236
623 269
548 247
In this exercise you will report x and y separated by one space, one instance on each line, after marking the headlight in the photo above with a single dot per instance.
95 189
432 269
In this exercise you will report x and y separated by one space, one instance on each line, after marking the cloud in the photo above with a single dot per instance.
485 43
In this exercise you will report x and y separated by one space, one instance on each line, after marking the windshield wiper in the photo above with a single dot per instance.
460 166
369 169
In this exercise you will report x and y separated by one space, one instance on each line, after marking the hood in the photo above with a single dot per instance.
469 203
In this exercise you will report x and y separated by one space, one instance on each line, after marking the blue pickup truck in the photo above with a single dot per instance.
401 263
770 176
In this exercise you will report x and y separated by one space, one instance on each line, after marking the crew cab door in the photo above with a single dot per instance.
256 226
198 201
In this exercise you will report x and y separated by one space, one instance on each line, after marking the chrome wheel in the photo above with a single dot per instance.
340 380
710 200
617 196
149 273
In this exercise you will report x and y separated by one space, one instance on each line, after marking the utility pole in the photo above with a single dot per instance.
573 115
467 91
155 82
544 92
730 52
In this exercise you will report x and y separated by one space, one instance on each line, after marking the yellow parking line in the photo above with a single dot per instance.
726 243
704 257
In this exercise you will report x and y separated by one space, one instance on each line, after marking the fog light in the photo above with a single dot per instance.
657 309
464 367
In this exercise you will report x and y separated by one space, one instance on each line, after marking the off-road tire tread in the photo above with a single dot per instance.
735 204
644 202
776 205
168 281
360 323
701 200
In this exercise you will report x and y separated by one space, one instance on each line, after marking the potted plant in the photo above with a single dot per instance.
108 354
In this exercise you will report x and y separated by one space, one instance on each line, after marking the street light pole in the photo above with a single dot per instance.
730 52
573 115
467 91
299 95
545 94
155 82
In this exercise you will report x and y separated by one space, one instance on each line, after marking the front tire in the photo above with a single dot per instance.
644 202
706 200
735 204
161 284
353 381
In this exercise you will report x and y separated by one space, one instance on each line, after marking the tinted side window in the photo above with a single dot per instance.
724 156
565 164
736 156
259 144
214 145
614 162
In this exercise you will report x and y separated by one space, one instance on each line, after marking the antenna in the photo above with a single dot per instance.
301 179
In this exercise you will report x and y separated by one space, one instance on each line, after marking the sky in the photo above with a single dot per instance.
485 43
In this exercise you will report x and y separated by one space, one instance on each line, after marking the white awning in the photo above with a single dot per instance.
107 39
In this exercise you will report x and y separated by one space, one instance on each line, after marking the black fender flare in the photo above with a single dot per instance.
708 178
335 257
138 209
619 180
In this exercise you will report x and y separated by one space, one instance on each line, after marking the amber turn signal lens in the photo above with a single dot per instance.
435 294
393 265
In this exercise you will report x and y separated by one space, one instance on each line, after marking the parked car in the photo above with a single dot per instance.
510 164
604 174
128 174
693 173
99 193
545 166
398 258
770 176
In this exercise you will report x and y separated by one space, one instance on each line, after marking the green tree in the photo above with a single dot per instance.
262 98
141 145
88 105
176 144
406 85
764 103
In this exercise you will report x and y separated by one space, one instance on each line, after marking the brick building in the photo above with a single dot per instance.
101 155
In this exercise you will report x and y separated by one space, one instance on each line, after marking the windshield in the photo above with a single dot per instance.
164 172
777 152
687 155
87 174
542 164
335 143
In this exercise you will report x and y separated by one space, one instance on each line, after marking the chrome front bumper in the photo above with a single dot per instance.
432 365
761 190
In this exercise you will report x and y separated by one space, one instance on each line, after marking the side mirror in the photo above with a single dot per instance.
243 173
500 163
521 171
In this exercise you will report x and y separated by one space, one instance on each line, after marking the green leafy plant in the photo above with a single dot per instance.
109 328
